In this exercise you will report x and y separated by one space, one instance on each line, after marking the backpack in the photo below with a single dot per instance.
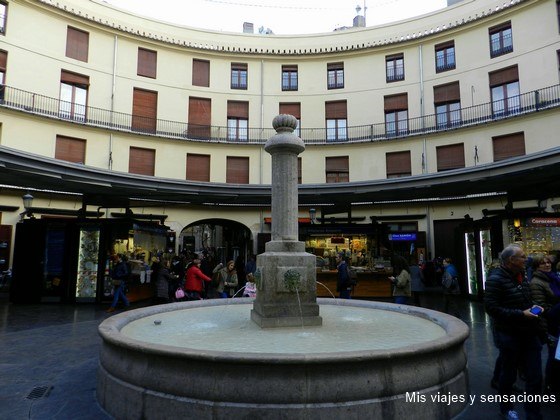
352 276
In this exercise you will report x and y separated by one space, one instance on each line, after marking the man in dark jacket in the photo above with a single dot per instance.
343 286
507 299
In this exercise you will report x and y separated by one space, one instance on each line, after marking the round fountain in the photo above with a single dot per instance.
285 354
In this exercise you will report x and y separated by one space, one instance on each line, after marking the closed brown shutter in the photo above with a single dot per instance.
200 116
335 66
238 109
445 45
3 60
144 110
198 167
70 149
336 164
147 63
503 76
201 73
335 110
396 102
398 164
291 109
237 170
77 44
508 146
447 93
142 161
74 78
450 157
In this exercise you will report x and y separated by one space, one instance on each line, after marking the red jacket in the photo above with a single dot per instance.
194 278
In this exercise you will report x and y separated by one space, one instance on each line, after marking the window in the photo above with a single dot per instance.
198 167
501 41
201 73
394 65
396 114
73 95
335 75
144 110
200 114
293 109
398 164
445 56
147 63
290 77
447 104
238 76
142 161
450 157
3 63
77 44
237 170
3 16
509 145
504 87
237 120
335 114
337 169
70 149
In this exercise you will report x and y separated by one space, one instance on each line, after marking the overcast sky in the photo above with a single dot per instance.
281 16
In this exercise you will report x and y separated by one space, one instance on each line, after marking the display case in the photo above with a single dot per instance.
88 261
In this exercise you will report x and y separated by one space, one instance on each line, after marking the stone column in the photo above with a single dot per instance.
286 275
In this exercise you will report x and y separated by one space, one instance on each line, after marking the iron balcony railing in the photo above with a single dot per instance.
545 98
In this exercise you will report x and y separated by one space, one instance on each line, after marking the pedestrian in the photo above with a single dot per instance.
194 281
507 299
417 287
119 275
451 289
400 280
227 281
343 286
163 280
250 287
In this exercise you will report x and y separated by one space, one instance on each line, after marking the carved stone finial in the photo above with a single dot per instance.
284 122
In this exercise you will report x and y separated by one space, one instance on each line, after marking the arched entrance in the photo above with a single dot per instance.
227 239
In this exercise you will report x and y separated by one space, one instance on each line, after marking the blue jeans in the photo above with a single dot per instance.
401 300
523 351
119 292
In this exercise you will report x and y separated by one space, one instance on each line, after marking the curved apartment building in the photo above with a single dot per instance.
435 136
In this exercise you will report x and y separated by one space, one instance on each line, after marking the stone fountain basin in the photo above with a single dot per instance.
143 378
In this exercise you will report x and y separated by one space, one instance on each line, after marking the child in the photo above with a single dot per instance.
250 286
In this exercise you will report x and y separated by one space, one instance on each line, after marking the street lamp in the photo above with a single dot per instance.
27 205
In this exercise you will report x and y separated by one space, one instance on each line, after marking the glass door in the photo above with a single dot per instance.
470 253
88 261
486 254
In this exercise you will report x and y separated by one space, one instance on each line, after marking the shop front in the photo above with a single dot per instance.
70 260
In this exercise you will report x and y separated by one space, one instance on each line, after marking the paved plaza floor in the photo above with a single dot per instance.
49 358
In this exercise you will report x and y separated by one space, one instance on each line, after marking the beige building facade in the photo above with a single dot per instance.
471 88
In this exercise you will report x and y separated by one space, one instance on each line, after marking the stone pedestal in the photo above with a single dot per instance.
286 275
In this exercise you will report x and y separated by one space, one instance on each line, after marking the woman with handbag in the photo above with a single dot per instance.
194 281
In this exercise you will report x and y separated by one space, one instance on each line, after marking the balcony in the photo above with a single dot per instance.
33 103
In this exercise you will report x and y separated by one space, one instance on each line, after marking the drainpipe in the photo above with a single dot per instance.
113 85
424 150
261 214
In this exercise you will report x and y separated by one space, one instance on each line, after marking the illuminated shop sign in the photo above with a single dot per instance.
543 221
402 236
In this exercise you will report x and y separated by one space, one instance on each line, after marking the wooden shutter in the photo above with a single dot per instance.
292 108
335 66
238 109
450 157
147 63
503 76
142 161
144 110
70 149
508 146
447 93
445 45
198 167
201 73
396 102
398 164
335 110
200 116
74 78
237 170
77 44
3 60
